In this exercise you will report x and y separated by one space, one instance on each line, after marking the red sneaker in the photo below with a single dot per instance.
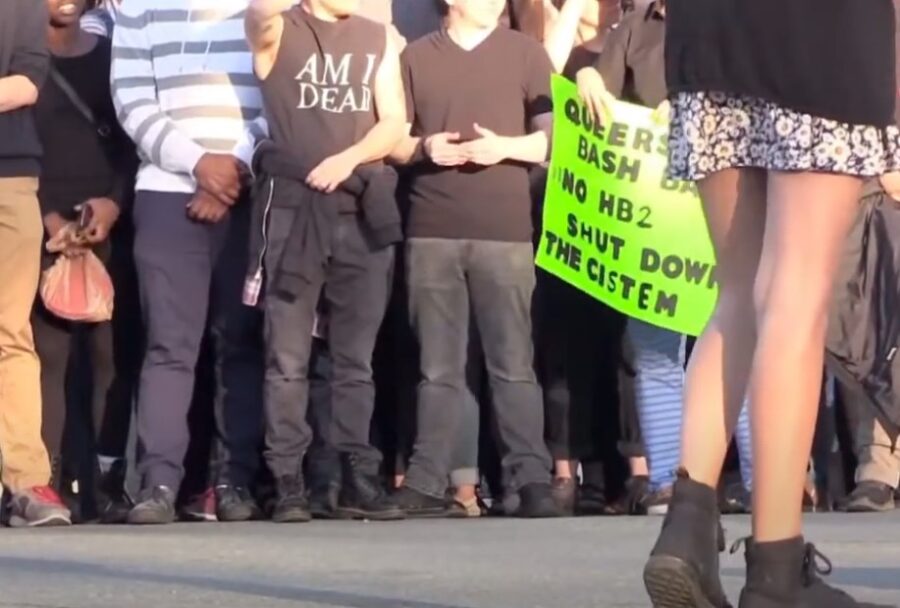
38 506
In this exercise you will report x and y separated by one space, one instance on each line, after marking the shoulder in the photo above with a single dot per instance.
422 47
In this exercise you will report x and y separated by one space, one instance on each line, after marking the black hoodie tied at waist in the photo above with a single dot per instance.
370 191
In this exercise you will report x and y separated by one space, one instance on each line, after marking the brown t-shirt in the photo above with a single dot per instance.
501 84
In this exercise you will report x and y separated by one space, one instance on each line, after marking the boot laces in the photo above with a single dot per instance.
815 563
741 542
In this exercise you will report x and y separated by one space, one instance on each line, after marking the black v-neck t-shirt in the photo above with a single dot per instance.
830 58
501 85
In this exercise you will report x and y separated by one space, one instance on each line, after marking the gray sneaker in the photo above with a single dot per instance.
37 507
871 497
156 506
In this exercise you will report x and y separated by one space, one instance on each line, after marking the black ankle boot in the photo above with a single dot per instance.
362 494
785 574
683 570
111 497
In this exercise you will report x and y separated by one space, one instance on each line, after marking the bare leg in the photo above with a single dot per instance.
808 218
734 202
638 467
565 469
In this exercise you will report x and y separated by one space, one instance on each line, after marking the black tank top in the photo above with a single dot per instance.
829 58
319 95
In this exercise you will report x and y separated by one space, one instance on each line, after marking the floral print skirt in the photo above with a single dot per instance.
711 132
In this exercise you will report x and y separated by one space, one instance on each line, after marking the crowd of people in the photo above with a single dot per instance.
320 228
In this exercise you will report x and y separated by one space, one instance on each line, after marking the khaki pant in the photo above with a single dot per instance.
25 461
878 461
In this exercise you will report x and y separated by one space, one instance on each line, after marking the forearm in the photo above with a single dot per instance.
561 38
407 151
379 142
531 149
16 92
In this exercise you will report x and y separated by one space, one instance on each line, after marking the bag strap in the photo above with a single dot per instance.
76 100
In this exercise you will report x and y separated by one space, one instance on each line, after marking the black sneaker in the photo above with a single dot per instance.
362 494
736 500
156 506
592 501
291 505
417 505
235 503
870 497
113 501
536 501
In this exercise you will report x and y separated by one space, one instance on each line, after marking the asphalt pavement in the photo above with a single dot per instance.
491 563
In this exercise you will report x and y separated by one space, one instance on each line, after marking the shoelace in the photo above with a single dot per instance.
815 563
812 559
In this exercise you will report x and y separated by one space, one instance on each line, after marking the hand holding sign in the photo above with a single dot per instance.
594 95
615 226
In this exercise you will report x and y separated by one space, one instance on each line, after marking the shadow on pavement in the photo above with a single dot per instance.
337 599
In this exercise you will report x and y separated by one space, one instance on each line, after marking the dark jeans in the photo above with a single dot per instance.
57 341
495 281
356 289
322 461
192 273
579 354
128 341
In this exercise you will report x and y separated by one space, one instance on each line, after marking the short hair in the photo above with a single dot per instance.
442 7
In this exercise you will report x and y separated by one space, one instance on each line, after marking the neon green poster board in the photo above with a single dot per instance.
616 227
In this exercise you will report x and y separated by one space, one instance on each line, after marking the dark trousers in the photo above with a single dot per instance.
58 342
356 288
495 281
322 460
191 273
579 353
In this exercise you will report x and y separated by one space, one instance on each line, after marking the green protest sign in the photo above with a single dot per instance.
616 227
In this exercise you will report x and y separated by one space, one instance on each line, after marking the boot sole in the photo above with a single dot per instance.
294 517
347 513
671 583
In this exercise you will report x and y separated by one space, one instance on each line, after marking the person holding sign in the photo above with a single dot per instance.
777 123
472 90
632 67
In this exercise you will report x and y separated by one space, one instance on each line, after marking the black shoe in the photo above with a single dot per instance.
291 505
638 495
736 500
323 501
235 503
113 500
156 506
592 501
565 493
683 569
870 497
536 501
362 494
417 505
785 574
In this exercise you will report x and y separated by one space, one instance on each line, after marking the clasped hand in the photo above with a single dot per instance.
447 150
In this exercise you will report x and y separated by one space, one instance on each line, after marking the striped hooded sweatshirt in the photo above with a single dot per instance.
183 85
